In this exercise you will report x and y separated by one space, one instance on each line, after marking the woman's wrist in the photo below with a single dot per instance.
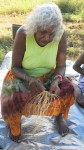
27 78
58 76
56 81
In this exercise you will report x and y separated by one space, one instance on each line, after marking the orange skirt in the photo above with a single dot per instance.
16 98
16 101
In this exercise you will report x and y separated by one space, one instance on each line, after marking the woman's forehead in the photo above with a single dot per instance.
47 29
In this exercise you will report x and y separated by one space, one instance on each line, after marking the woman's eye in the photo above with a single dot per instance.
51 34
43 32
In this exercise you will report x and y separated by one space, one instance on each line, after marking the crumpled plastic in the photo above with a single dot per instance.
40 133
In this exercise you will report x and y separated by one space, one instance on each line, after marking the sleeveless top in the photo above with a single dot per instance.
38 60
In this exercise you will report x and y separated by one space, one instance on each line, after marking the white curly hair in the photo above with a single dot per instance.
44 16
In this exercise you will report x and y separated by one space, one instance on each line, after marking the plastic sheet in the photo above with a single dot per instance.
40 133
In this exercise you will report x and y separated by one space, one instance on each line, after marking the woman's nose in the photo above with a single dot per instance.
47 37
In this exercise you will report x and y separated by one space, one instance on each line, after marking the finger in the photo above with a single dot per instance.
52 91
57 92
39 88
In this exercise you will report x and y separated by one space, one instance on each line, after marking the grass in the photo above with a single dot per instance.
75 41
15 12
19 6
72 8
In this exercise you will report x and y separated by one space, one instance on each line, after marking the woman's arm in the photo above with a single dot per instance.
78 63
60 65
18 54
61 57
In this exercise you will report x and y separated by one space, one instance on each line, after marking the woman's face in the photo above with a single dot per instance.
43 37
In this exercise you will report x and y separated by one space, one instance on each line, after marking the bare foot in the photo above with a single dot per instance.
61 126
14 138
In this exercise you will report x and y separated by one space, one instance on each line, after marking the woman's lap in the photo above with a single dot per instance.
17 98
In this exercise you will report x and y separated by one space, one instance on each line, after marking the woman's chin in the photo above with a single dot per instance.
42 44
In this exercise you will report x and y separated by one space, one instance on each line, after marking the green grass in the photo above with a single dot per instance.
72 7
2 54
75 39
19 6
5 46
15 12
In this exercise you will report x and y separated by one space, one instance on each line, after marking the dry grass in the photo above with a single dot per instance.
16 14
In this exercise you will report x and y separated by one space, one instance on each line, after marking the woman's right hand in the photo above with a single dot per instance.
54 88
35 85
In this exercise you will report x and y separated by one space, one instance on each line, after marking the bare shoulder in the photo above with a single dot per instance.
19 47
61 55
80 59
21 32
62 43
82 56
64 34
20 39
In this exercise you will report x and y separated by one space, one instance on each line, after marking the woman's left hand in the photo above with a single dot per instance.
54 88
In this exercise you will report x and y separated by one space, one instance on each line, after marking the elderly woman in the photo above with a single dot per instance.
35 84
79 89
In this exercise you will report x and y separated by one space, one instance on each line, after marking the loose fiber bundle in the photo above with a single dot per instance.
43 101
